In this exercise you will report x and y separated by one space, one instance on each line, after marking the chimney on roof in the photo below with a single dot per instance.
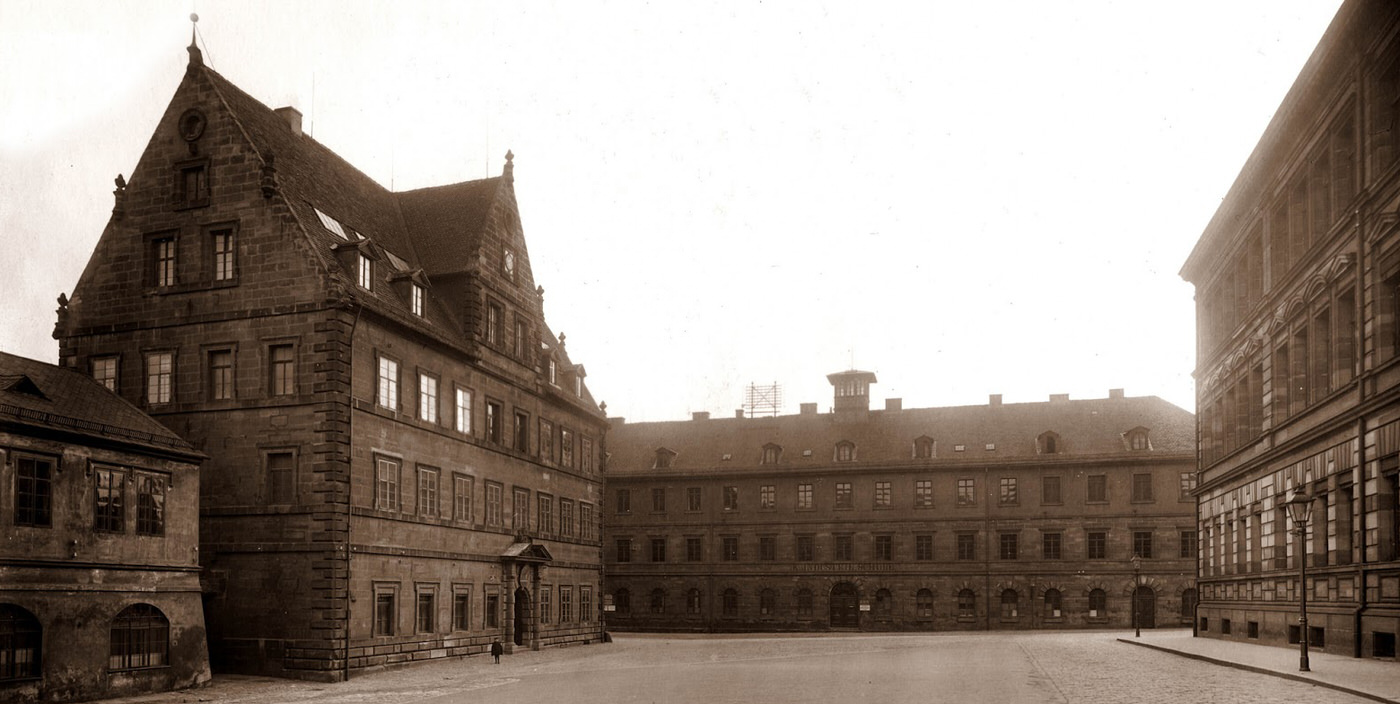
1115 393
700 415
738 413
808 409
994 400
1056 398
894 404
293 118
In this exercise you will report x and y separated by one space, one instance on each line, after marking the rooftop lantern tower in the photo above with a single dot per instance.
852 390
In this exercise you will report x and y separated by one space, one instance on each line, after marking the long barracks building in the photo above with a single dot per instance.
1003 516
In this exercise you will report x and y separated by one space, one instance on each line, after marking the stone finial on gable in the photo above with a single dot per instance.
119 198
508 173
196 57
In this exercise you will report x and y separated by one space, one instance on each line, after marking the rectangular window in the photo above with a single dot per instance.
843 547
104 371
844 496
767 548
923 547
586 455
566 604
566 518
1142 544
623 501
150 504
281 477
388 396
282 372
1008 546
385 612
566 448
416 299
427 398
462 609
109 509
522 431
731 549
884 548
428 492
495 319
1050 490
544 518
546 604
882 495
658 549
967 546
767 496
160 368
546 441
492 609
427 610
163 261
694 549
1187 486
658 500
967 492
192 186
624 549
220 385
461 498
1007 495
692 498
585 604
223 254
1050 544
386 484
1188 544
365 272
1142 487
804 497
806 548
493 421
585 521
520 509
463 419
1097 488
1096 544
923 493
731 498
493 504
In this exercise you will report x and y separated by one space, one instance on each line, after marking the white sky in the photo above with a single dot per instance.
965 198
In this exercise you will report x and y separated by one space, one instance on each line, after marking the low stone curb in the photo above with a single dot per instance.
1261 670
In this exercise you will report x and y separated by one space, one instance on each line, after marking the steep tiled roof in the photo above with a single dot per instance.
1086 428
445 221
73 402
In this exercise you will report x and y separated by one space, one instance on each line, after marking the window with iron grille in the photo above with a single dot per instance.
140 638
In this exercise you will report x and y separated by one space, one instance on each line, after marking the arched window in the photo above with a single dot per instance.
1009 601
1188 604
923 448
845 451
804 603
772 453
924 601
767 602
1049 443
622 601
967 604
1052 603
140 638
1138 440
20 644
884 605
730 602
658 601
692 602
1098 604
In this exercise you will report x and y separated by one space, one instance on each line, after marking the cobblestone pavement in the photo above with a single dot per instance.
1061 668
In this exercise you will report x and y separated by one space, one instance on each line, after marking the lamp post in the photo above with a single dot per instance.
1137 584
1299 511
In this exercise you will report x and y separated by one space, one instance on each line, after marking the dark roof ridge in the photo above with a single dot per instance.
443 186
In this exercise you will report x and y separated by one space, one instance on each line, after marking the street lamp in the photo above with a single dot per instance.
1137 584
1299 511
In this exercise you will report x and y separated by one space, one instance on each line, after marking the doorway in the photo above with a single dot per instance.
1146 607
845 606
522 615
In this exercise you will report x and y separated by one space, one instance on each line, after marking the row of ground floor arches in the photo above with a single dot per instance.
719 605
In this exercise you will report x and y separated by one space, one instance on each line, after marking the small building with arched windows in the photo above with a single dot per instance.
998 516
99 571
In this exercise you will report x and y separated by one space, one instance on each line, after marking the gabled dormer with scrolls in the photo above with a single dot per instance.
1049 443
663 458
1138 439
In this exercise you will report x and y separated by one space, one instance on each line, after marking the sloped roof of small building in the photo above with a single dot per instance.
1085 428
45 396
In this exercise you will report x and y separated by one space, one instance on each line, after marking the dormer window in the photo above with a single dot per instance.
772 453
416 298
923 448
1138 440
845 451
663 458
365 269
578 386
553 372
1049 443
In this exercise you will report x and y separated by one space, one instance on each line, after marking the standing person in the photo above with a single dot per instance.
496 651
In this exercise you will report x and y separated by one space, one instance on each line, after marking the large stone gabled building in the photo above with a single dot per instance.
1297 281
398 443
1002 516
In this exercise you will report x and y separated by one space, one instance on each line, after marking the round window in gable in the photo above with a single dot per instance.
192 124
